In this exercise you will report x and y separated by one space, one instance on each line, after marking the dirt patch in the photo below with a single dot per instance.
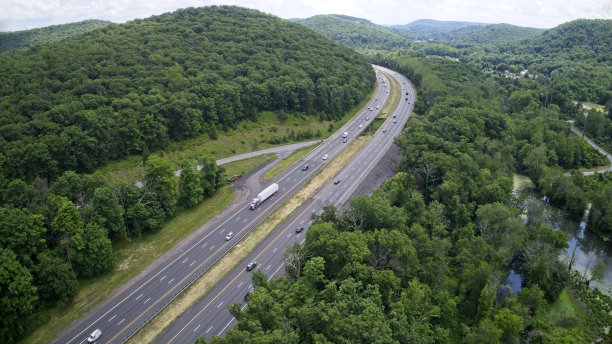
384 170
125 263
203 285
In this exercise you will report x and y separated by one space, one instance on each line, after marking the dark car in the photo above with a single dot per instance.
246 297
337 182
299 229
305 168
344 140
251 266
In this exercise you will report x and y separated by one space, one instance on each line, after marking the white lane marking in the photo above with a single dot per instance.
122 320
268 267
204 244
275 271
171 280
302 241
209 329
197 328
213 246
239 285
276 248
301 221
162 278
227 325
139 296
147 300
245 220
220 304
183 262
238 218
111 319
243 307
250 286
289 235
192 263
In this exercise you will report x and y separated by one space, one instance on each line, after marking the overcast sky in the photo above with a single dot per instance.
26 14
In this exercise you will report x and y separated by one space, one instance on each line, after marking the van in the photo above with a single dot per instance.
345 134
94 336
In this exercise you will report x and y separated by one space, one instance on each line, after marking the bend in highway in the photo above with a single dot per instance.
147 294
210 317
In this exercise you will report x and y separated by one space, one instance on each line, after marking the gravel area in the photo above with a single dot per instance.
383 171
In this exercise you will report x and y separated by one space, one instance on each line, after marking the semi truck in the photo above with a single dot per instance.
264 195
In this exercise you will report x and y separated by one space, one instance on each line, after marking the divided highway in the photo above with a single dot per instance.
210 317
123 314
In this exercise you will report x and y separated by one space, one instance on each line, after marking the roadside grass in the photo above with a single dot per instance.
248 136
376 124
281 166
394 96
132 256
231 259
244 166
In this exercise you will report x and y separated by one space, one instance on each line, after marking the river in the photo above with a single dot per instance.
590 248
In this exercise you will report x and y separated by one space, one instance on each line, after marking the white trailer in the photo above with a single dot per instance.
264 195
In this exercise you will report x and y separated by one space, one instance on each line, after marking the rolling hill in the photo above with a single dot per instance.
49 34
431 29
129 88
356 33
489 34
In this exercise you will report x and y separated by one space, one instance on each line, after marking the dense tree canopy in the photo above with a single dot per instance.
89 99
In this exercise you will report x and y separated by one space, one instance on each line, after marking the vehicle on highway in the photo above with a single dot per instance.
377 106
299 229
371 109
406 93
264 195
345 134
384 130
360 126
229 236
337 182
94 336
304 168
387 92
252 265
344 140
325 157
393 116
395 121
407 99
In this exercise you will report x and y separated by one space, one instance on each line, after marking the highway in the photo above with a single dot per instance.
141 299
210 317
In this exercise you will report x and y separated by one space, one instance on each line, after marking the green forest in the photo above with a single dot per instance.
69 107
49 34
424 259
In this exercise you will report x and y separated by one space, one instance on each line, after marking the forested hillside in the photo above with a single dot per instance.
70 106
356 33
489 34
125 89
49 34
431 29
425 258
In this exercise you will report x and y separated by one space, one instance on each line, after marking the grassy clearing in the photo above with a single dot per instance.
281 166
244 166
203 285
247 137
566 316
594 106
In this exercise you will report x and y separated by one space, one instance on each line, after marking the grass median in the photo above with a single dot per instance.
281 166
230 260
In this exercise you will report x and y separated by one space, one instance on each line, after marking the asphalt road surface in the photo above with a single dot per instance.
142 298
210 317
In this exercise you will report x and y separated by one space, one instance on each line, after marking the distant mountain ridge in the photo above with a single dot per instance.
435 26
490 34
48 34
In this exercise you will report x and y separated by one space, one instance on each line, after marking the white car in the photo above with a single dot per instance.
94 335
360 126
229 236
325 157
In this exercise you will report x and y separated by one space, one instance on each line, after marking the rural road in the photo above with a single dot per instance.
594 145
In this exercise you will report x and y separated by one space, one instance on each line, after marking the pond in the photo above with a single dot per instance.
589 247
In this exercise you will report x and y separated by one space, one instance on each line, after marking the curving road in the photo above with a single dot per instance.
210 317
599 149
147 294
